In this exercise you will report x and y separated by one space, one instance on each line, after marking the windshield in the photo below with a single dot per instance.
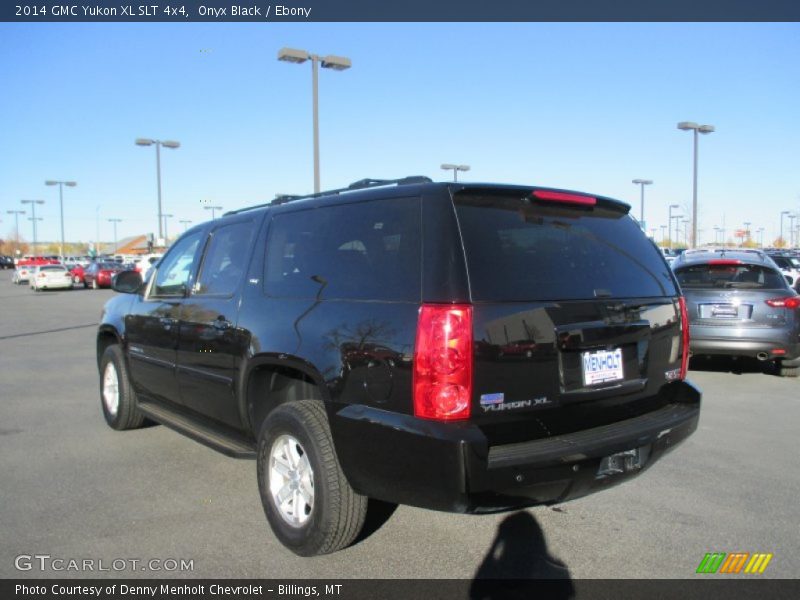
711 276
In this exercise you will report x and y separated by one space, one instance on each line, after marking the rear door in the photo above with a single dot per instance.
576 316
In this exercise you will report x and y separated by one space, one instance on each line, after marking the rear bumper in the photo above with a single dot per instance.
61 285
451 467
780 346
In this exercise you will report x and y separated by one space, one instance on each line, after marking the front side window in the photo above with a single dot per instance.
173 274
225 259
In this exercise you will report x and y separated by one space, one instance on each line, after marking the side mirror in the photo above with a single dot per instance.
788 279
126 282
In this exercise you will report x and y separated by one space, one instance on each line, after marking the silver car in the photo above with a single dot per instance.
740 304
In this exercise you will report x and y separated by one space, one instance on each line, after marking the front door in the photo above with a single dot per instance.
210 346
152 324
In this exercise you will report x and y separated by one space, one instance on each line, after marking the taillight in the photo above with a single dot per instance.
443 362
685 336
790 302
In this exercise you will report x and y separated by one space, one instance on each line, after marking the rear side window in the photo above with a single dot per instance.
519 251
717 276
364 251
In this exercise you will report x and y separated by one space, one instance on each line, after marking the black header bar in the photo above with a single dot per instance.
181 11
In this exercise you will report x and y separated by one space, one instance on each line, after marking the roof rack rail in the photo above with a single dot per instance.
361 184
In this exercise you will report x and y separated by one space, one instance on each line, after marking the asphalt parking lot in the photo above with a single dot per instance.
74 489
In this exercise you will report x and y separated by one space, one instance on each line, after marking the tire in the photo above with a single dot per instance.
85 285
788 371
124 412
325 514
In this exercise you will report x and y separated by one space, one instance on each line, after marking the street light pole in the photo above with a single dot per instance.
338 63
213 210
672 241
663 235
791 230
166 216
760 237
704 129
642 183
686 232
747 230
158 143
16 214
115 221
61 185
455 169
185 223
33 218
785 212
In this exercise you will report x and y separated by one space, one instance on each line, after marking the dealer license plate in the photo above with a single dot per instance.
602 366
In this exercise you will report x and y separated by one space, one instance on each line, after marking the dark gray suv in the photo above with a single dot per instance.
740 304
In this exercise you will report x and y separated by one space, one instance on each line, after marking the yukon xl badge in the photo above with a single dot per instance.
497 403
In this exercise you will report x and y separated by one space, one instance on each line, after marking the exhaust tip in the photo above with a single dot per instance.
762 356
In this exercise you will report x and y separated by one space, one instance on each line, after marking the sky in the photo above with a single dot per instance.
586 106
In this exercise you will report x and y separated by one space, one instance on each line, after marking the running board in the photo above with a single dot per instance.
220 441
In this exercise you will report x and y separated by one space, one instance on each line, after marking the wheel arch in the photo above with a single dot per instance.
106 336
272 380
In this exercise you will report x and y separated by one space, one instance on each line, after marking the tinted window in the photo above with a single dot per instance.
364 251
53 268
173 273
517 250
224 261
717 276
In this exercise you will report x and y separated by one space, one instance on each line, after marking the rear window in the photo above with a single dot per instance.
53 268
518 251
716 276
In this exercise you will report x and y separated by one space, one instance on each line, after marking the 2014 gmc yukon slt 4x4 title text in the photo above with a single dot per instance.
459 347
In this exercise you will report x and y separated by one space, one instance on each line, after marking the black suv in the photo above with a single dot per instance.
459 347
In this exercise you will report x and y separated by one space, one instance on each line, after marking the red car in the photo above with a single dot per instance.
99 274
77 273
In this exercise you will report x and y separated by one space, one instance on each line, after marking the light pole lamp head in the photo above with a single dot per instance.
642 181
171 144
451 167
293 55
706 129
144 142
687 125
337 63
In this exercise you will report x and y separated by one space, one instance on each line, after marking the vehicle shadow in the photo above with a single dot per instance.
378 512
518 564
738 365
